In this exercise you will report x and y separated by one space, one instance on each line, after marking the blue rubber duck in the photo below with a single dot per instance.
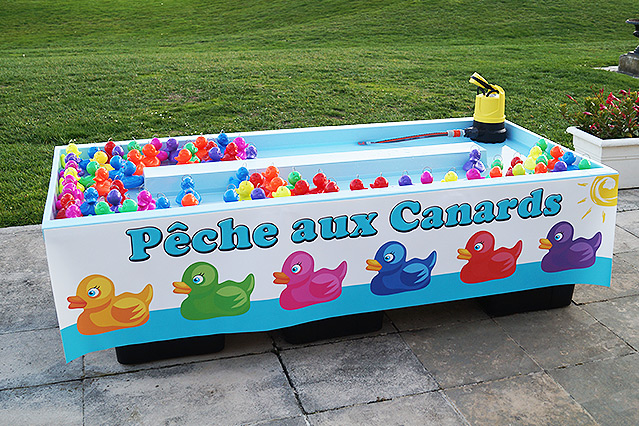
90 199
395 274
129 180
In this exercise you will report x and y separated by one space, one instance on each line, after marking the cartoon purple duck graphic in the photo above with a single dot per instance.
565 253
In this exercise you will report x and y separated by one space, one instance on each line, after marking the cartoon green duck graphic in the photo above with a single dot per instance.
207 298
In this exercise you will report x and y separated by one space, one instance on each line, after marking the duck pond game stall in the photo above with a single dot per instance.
317 231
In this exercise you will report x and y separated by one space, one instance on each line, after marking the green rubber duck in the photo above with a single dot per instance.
209 299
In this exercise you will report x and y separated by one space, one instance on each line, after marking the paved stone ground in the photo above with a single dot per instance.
445 364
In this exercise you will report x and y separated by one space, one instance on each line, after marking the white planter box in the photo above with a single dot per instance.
620 154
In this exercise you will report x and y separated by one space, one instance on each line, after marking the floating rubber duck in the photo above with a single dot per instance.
89 178
128 206
484 262
171 150
258 194
145 201
426 177
379 182
103 159
251 152
395 274
130 180
405 180
104 310
90 199
184 157
356 184
230 152
282 191
244 190
304 285
495 172
163 202
257 179
301 187
565 253
331 186
215 154
320 181
474 161
187 187
114 198
117 163
202 152
102 207
102 181
450 176
209 299
150 156
222 140
473 174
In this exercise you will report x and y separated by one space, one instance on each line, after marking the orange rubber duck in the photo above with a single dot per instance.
202 151
102 181
150 156
135 156
486 263
184 157
104 311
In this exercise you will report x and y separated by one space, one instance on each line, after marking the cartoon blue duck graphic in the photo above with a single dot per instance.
395 274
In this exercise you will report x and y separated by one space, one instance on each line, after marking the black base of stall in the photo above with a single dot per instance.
528 300
154 351
334 327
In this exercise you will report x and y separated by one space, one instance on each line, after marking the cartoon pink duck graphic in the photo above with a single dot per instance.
304 285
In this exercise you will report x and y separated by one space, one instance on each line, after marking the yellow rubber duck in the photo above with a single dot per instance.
104 311
282 191
244 190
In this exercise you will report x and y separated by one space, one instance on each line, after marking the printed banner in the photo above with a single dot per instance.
268 265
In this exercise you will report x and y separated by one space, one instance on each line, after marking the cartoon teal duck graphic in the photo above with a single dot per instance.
208 298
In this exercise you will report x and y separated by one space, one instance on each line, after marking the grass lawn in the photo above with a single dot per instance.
84 71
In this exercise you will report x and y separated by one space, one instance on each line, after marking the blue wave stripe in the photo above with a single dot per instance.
266 315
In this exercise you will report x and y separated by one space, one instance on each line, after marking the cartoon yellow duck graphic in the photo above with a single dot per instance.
104 310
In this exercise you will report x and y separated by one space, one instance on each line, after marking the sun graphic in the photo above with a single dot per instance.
603 192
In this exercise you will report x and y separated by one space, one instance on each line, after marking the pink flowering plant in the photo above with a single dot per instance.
607 116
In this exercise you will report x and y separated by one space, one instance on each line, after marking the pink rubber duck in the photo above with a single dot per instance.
145 201
304 285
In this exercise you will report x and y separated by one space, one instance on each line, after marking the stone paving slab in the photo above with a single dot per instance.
562 337
621 316
26 299
59 404
534 399
355 372
292 421
22 253
30 358
427 409
105 362
624 282
229 391
628 200
629 221
27 304
469 353
437 314
625 241
607 389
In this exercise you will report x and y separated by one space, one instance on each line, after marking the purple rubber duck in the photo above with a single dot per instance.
564 253
474 161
